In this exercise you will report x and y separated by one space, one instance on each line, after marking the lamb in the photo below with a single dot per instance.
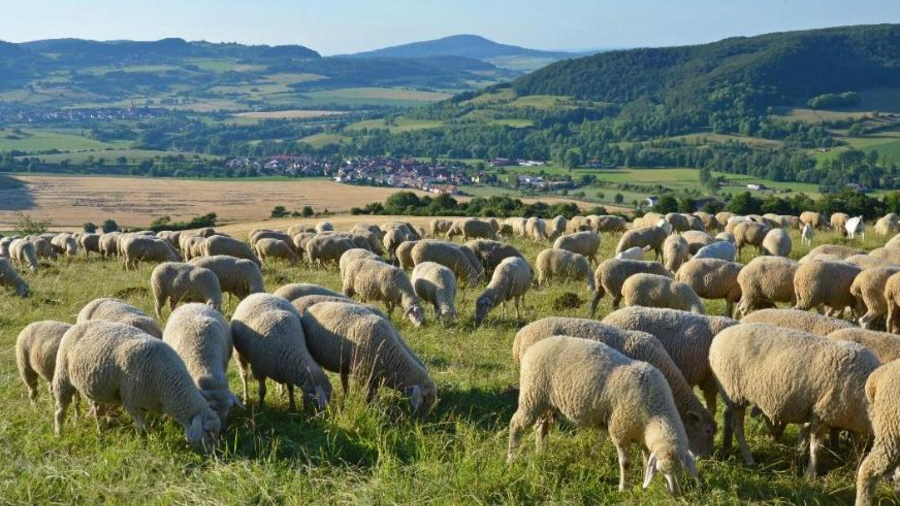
712 279
275 248
807 233
869 291
373 280
654 290
439 227
510 281
112 363
855 226
777 243
837 251
23 253
10 278
557 227
696 240
237 276
178 282
269 339
811 323
885 346
882 391
147 249
699 424
792 377
36 349
585 244
452 256
611 275
648 236
584 381
765 281
817 283
675 252
109 244
202 338
64 244
491 253
324 226
294 291
633 253
685 336
219 245
563 264
471 228
118 311
839 222
536 229
750 233
721 250
887 225
327 250
436 284
351 255
89 243
403 254
813 219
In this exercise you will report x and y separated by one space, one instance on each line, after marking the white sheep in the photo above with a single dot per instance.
352 255
563 264
586 244
36 349
654 290
119 311
439 227
326 250
807 234
237 276
275 249
868 289
109 244
294 291
459 259
885 346
777 243
375 280
722 250
178 283
855 226
766 280
510 281
557 227
220 245
634 253
882 391
89 243
491 253
611 275
436 284
649 236
146 249
23 253
819 283
676 251
10 278
471 228
593 385
811 323
712 279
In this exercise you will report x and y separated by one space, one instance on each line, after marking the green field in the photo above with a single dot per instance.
320 140
32 140
134 156
400 125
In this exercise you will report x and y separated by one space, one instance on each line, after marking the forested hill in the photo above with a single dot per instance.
467 46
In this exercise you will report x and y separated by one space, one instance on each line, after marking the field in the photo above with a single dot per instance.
353 453
44 140
289 114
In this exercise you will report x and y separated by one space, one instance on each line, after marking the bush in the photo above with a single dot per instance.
109 226
90 228
165 223
26 225
279 212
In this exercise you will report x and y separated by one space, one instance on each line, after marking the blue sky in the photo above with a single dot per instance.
338 26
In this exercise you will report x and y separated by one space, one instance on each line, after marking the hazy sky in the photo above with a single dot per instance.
338 26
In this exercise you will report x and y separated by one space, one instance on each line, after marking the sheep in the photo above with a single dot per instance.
887 225
202 338
777 243
817 283
749 233
586 244
838 222
648 236
237 276
36 349
403 254
303 303
351 255
5 242
766 280
855 226
275 248
491 253
220 245
723 217
510 281
536 229
361 229
892 255
807 233
270 342
456 258
813 219
109 245
654 290
64 244
10 278
146 249
23 253
696 240
792 377
634 253
675 252
408 230
326 250
299 242
726 237
869 261
42 247
892 300
436 284
805 321
711 279
471 228
118 311
868 289
699 424
721 250
300 228
439 226
172 238
178 282
324 226
709 221
493 222
518 225
836 251
294 291
89 243
373 280
885 346
112 363
557 227
584 380
393 238
678 221
611 275
648 220
563 264
882 391
270 234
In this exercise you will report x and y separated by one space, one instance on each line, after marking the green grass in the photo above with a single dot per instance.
400 125
33 140
320 140
134 156
353 453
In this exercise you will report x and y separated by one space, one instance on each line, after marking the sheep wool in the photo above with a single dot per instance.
766 280
137 248
352 255
471 228
885 346
611 275
237 276
436 285
882 392
777 243
375 280
825 283
178 283
10 278
585 244
491 253
563 264
676 251
276 249
653 290
510 281
219 245
294 291
652 236
36 349
460 260
811 323
869 291
119 311
712 279
23 253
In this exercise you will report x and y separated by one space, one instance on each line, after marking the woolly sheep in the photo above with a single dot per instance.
892 300
324 226
374 280
882 391
118 311
471 228
633 253
584 381
36 349
563 264
408 230
64 244
275 249
269 339
709 221
885 346
510 281
439 227
299 241
178 283
892 255
696 240
792 377
393 238
536 229
219 245
685 336
403 254
722 250
585 244
294 291
237 276
723 217
146 249
42 247
869 261
855 226
699 424
886 225
5 242
491 253
750 233
518 225
303 303
609 223
817 283
805 321
765 281
10 278
301 228
270 234
712 279
641 237
777 243
457 259
675 252
654 290
202 338
326 250
813 219
869 291
611 275
838 222
351 255
22 252
89 243
678 221
436 285
109 244
837 251
648 220
557 227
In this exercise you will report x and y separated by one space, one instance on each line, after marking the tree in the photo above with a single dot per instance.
572 158
307 212
601 195
89 227
666 204
744 203
279 212
109 226
26 225
619 198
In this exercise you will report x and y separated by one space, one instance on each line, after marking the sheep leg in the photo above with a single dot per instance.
262 391
291 402
30 378
345 381
516 303
542 429
728 434
815 441
876 464
517 424
739 414
244 368
139 423
64 393
624 464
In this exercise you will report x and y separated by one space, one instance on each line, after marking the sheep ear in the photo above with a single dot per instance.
650 470
672 484
693 416
415 397
194 432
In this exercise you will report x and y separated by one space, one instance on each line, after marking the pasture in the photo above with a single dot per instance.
359 454
33 140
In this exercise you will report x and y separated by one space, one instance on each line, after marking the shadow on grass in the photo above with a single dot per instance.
485 409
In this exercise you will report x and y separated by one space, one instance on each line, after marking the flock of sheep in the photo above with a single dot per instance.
632 374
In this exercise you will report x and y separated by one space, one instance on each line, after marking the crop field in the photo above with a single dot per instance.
32 140
134 156
355 453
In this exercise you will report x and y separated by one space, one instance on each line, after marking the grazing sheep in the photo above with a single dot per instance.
675 252
723 217
807 233
23 253
139 248
777 243
563 264
393 238
10 278
611 275
892 255
436 284
109 244
220 245
678 221
374 280
237 276
403 254
471 228
115 310
557 227
202 338
42 247
269 339
275 249
633 253
887 225
813 219
325 250
722 250
491 253
457 259
112 363
817 283
837 251
882 391
593 385
89 243
5 242
299 241
64 244
324 226
303 303
536 229
892 300
36 349
805 321
839 222
765 281
178 283
712 279
641 237
792 377
648 220
709 221
585 244
439 227
294 291
869 261
300 228
699 424
654 290
697 240
855 226
518 225
750 233
351 255
257 235
869 291
885 346
510 281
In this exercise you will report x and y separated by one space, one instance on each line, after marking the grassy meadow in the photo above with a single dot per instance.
354 453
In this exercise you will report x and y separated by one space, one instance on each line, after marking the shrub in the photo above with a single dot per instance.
109 226
26 225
